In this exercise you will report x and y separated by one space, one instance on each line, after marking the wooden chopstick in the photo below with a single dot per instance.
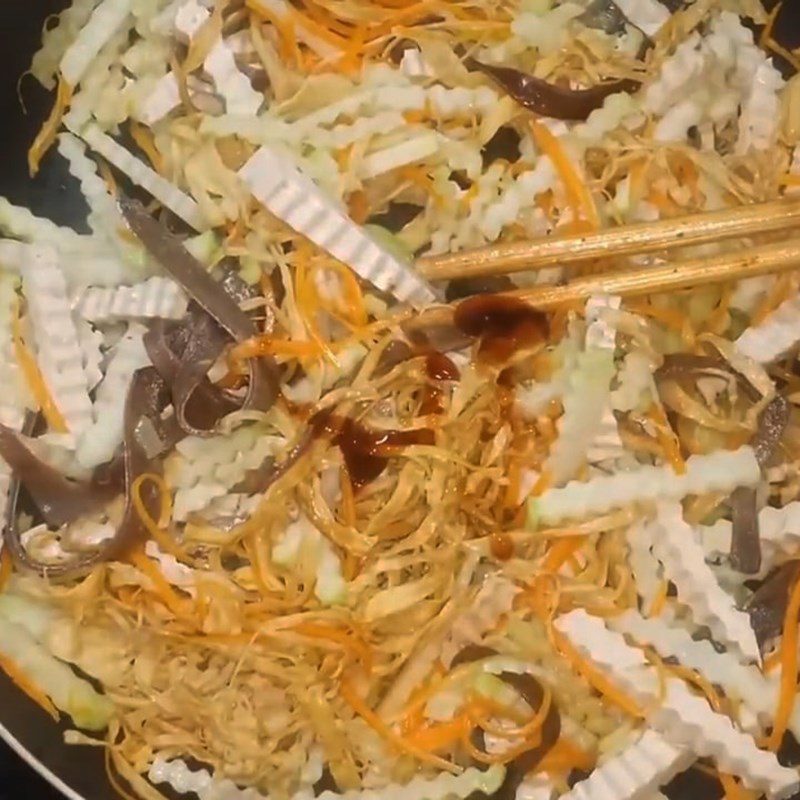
675 275
645 237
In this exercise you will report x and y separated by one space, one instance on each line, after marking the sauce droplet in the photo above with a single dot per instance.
501 546
366 452
440 367
503 324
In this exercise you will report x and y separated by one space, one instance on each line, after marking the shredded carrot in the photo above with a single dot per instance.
352 306
788 684
563 757
789 180
287 38
667 439
771 661
144 139
479 707
442 735
156 528
111 184
34 378
734 790
347 640
560 551
6 565
23 682
542 484
47 133
270 346
660 600
358 207
354 700
578 195
596 678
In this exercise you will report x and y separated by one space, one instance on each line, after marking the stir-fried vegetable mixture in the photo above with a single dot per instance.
305 544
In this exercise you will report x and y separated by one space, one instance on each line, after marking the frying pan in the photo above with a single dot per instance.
78 772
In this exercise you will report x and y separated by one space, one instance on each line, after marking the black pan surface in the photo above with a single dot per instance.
78 772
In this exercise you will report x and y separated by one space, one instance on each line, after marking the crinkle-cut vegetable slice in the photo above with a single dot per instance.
745 683
617 109
585 399
164 97
442 787
71 694
720 471
105 21
536 787
643 766
687 719
625 665
155 298
648 16
284 191
220 64
103 212
776 335
413 64
100 441
680 552
760 115
57 38
58 350
90 342
303 539
494 598
779 533
160 188
220 458
415 148
682 718
196 498
21 223
644 565
677 73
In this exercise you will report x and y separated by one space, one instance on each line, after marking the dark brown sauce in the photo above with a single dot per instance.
503 324
440 368
366 452
501 546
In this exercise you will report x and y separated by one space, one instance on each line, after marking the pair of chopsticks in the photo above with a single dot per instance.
628 240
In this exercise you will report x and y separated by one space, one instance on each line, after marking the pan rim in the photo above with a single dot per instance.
45 772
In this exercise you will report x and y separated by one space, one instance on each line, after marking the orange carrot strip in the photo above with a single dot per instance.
23 682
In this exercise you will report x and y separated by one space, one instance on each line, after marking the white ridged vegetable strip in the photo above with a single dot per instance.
100 441
160 188
69 693
647 15
281 187
103 211
683 718
745 683
644 565
106 20
154 298
722 470
688 720
183 780
779 532
220 64
677 548
776 335
90 342
415 148
56 337
494 598
642 767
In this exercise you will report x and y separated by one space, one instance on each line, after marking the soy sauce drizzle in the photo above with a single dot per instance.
366 452
503 324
